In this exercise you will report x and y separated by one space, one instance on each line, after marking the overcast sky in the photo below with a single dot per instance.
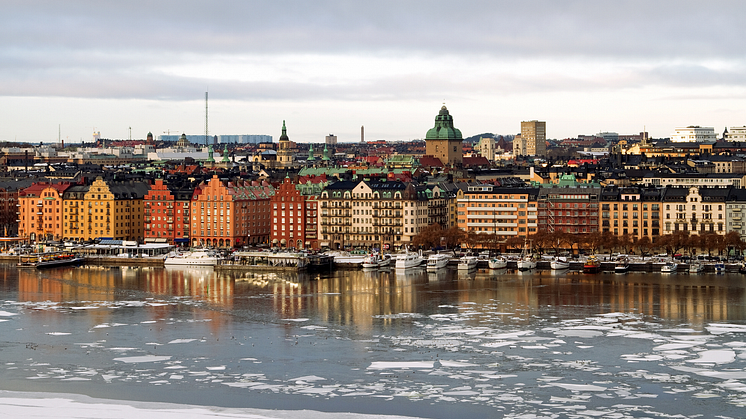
333 66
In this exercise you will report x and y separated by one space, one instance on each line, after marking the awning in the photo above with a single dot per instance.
181 240
283 241
275 241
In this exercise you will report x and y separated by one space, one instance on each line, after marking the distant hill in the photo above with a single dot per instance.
475 138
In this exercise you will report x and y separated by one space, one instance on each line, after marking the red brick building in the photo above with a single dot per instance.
294 215
229 214
167 214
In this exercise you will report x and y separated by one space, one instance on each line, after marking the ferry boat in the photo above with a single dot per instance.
192 258
498 263
559 263
622 266
592 265
437 261
408 260
467 263
49 260
670 267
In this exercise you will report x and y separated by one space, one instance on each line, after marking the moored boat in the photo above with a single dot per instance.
622 266
720 268
437 261
498 263
49 260
196 257
695 268
670 267
408 260
592 265
527 261
467 263
559 263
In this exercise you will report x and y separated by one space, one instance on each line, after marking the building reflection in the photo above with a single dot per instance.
366 298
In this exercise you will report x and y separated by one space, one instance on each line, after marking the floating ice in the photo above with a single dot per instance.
578 387
182 341
7 314
721 328
399 316
295 320
143 358
58 333
715 357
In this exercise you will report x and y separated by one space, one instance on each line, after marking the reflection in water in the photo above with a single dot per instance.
355 296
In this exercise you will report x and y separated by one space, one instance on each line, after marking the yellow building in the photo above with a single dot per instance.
499 212
107 210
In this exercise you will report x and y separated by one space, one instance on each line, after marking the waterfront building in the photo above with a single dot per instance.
166 213
632 212
735 209
231 213
497 211
40 215
444 141
74 213
569 209
368 214
694 209
295 213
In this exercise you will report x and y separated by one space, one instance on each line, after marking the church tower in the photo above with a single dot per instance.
443 140
285 152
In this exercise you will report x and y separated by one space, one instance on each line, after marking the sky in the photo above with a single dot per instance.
69 68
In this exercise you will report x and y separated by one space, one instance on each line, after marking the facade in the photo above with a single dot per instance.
371 214
735 209
736 134
703 180
694 209
631 212
694 133
41 211
486 148
228 214
569 209
9 211
532 140
295 215
166 214
497 211
444 141
331 139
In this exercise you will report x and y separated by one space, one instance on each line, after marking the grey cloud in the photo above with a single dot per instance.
625 29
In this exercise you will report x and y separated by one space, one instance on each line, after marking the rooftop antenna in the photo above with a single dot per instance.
206 131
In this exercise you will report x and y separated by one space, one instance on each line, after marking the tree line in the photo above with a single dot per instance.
710 243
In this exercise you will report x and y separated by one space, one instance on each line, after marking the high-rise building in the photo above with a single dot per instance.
532 140
331 139
443 141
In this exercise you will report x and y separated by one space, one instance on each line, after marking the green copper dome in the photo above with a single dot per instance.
444 129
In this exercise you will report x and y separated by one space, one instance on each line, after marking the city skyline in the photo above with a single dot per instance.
330 67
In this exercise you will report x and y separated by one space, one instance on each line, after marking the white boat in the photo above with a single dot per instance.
376 261
719 268
408 260
467 263
347 258
695 268
192 258
670 267
559 263
621 266
498 263
527 261
437 261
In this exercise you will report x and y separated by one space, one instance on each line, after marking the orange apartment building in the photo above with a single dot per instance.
497 211
228 213
40 211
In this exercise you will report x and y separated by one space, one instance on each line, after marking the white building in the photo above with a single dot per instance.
736 134
694 133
